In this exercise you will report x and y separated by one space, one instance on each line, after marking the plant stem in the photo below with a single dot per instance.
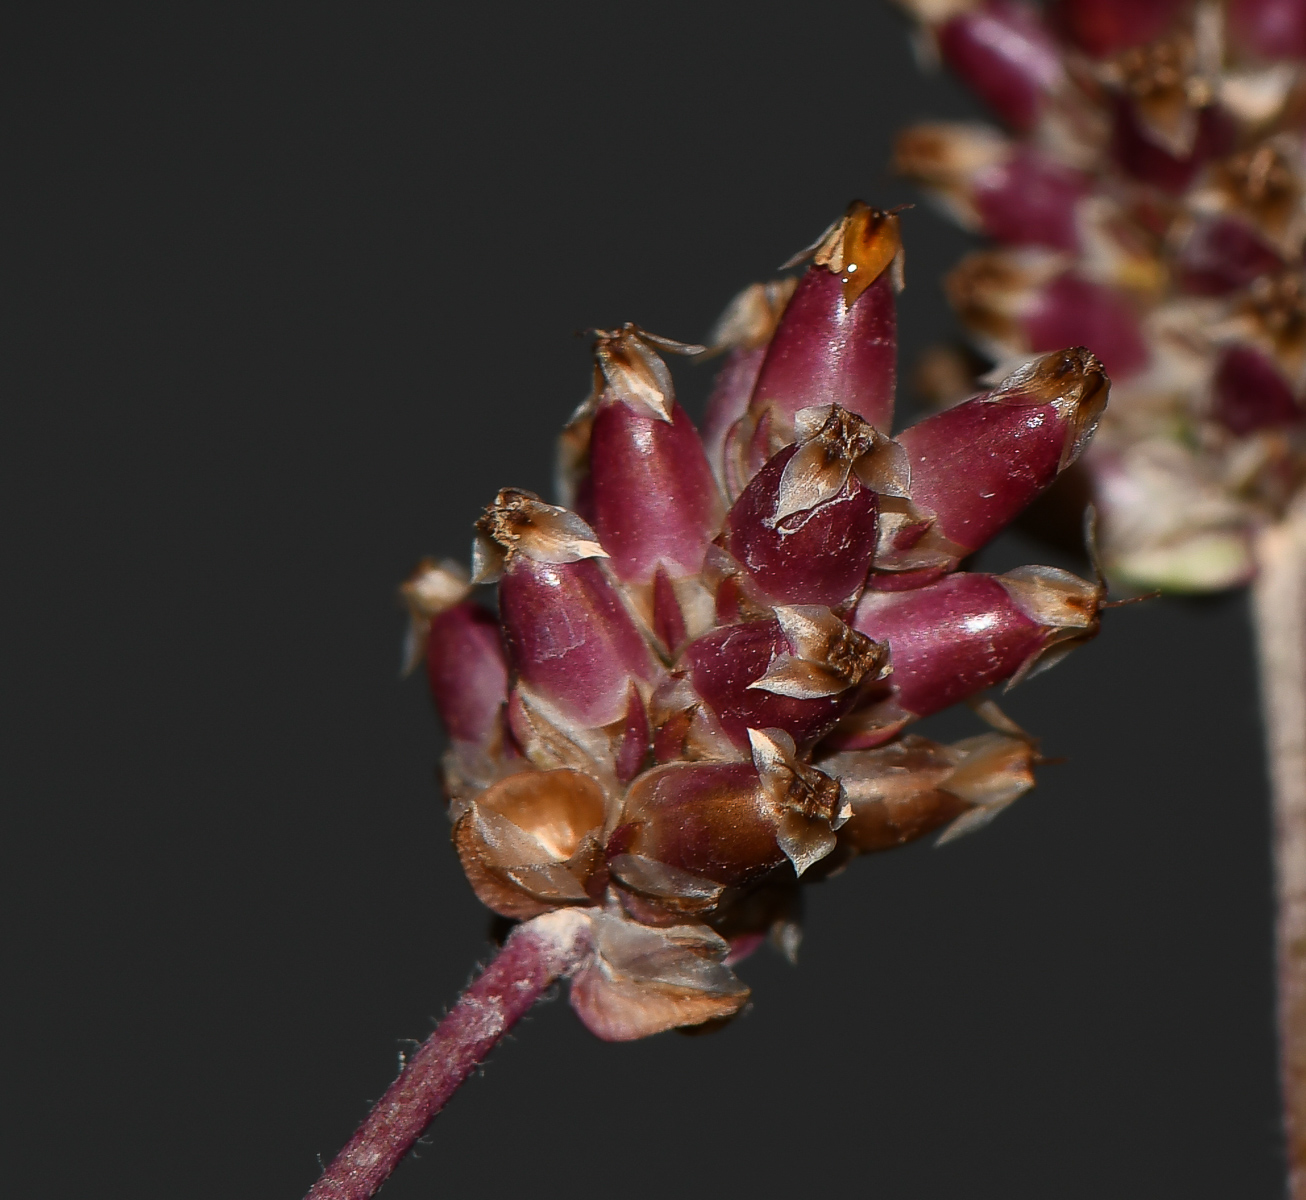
534 956
1279 598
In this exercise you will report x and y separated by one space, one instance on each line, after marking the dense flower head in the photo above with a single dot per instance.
1148 202
696 687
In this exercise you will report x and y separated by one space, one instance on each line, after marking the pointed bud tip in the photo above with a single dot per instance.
859 248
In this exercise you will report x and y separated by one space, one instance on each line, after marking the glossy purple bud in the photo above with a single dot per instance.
805 528
978 465
967 632
800 672
568 633
837 340
1270 28
654 499
1222 255
1105 26
1250 393
1003 52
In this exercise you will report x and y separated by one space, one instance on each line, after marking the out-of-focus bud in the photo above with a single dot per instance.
799 672
652 494
1221 255
1003 52
465 663
1167 520
744 331
642 981
1106 26
967 632
1263 187
805 528
976 466
1250 393
1014 194
1024 302
568 633
902 792
1270 28
532 841
837 339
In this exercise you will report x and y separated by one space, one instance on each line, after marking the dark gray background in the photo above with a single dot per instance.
290 291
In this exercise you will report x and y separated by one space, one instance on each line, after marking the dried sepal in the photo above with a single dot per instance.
627 366
1074 382
828 657
810 805
531 841
519 522
551 739
432 588
641 981
859 247
994 771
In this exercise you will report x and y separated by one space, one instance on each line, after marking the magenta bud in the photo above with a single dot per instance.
1030 201
654 499
568 633
1071 311
1139 154
1103 27
800 672
837 340
1003 52
978 465
805 528
1250 393
460 642
968 632
1222 255
1270 28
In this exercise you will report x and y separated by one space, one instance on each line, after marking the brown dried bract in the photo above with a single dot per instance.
1074 382
828 656
859 248
519 522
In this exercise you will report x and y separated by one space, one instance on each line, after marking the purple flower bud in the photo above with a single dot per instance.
1270 28
653 496
1223 255
460 641
1138 152
805 529
967 632
978 465
1103 27
800 672
1015 194
837 340
568 633
1002 51
1251 393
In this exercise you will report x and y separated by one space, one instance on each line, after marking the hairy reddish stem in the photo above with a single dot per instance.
534 956
1280 608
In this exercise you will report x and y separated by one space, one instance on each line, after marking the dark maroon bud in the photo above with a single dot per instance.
837 340
1003 52
460 641
1104 27
1270 28
1223 255
668 617
800 672
968 632
690 830
978 465
568 633
805 528
1250 393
